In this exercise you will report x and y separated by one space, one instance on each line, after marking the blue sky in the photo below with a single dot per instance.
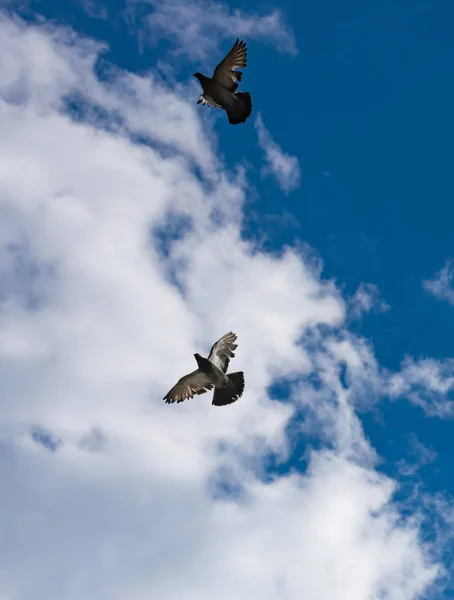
370 111
331 261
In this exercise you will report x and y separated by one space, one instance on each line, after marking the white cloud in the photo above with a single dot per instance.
421 455
197 28
94 10
283 166
441 284
426 382
104 300
367 299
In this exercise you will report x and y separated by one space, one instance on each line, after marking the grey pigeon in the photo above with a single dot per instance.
220 90
211 374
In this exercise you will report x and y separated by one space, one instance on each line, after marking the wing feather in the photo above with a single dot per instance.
222 351
188 386
226 72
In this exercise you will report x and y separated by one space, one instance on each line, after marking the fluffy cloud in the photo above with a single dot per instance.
121 255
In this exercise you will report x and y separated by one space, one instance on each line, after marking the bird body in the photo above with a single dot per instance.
211 373
218 95
208 368
220 90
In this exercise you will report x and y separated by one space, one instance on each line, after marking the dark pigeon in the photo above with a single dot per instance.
211 374
220 90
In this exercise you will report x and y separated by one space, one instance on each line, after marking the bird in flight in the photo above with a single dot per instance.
220 90
211 373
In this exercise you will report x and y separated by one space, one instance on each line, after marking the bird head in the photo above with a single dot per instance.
198 76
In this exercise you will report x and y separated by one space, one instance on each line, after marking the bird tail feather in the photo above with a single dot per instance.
240 109
230 393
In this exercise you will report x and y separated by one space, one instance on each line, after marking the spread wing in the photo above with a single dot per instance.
188 386
206 102
225 73
222 351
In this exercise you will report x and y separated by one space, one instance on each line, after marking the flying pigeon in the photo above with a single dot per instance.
211 373
220 90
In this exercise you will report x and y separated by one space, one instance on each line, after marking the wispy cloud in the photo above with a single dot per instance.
441 286
367 299
424 454
197 28
420 455
280 164
426 382
94 9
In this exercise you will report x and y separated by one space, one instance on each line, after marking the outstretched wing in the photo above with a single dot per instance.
206 102
222 351
188 386
225 73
